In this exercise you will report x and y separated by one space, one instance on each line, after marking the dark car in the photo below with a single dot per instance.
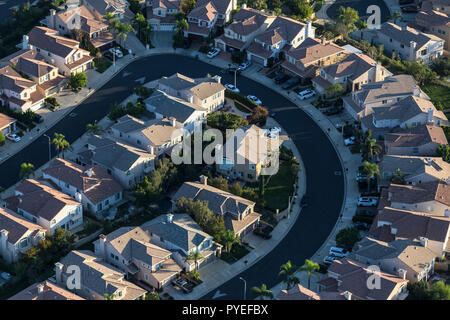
304 201
410 9
333 111
38 118
362 226
281 78
232 70
187 43
262 233
290 83
404 2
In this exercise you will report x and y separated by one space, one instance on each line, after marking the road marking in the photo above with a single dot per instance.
73 115
140 80
338 173
218 294
126 74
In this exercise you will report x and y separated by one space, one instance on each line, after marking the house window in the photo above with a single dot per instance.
117 196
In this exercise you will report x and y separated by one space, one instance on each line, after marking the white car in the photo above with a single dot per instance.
329 260
349 141
306 94
214 52
338 252
116 52
232 88
13 137
244 65
367 202
254 99
6 276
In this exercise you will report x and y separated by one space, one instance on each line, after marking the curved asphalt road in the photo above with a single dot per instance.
324 186
361 7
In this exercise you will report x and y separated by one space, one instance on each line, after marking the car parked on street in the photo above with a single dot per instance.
244 65
329 260
213 53
13 137
254 99
367 202
306 94
232 88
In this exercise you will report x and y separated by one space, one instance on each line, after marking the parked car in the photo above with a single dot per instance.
306 94
410 9
232 70
333 111
116 52
349 141
338 252
232 88
187 43
6 276
362 226
214 52
183 285
404 2
13 137
365 213
367 202
254 99
38 118
244 65
329 260
262 233
281 78
304 201
290 83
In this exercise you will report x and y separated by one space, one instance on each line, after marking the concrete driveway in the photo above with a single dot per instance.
162 39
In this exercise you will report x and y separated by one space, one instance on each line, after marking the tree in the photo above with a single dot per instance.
443 151
395 16
370 170
142 92
421 290
224 120
398 177
140 21
335 90
369 147
152 296
441 66
109 296
2 139
288 270
347 18
346 238
60 143
26 169
77 81
262 292
181 25
196 256
122 31
310 267
188 5
259 115
93 128
228 238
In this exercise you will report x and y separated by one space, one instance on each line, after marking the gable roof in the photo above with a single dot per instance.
11 80
312 50
16 226
353 66
406 34
247 21
282 28
96 188
416 136
5 121
50 291
412 166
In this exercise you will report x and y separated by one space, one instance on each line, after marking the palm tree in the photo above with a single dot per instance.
362 25
26 169
395 16
109 296
229 238
370 169
123 30
262 292
347 17
139 21
310 267
152 296
93 128
60 143
196 256
369 147
181 25
109 17
288 270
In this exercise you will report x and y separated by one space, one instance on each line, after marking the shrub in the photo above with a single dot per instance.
346 238
204 49
2 139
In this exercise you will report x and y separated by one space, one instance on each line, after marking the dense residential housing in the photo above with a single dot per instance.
7 124
282 34
181 235
352 73
99 278
130 250
238 213
421 140
406 42
45 290
434 22
62 52
298 292
17 235
92 185
41 203
127 165
161 14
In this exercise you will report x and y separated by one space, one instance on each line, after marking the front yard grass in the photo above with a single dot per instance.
280 187
101 64
237 252
438 93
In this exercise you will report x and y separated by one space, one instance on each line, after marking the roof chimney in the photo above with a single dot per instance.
40 288
402 273
173 121
447 213
423 241
169 218
89 172
430 116
204 179
428 161
25 40
348 295
244 6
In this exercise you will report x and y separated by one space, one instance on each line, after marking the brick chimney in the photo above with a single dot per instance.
204 180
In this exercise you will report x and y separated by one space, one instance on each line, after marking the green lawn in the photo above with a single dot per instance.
237 252
279 188
437 93
101 64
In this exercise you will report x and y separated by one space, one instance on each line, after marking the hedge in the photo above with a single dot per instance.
241 98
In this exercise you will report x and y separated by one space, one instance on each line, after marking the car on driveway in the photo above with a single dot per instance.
13 137
6 276
116 52
329 260
232 88
290 83
254 99
38 118
350 141
262 233
214 52
244 65
306 94
333 111
367 202
338 252
363 226
281 78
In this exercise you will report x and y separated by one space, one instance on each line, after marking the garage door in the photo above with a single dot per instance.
166 27
37 106
257 60
220 45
